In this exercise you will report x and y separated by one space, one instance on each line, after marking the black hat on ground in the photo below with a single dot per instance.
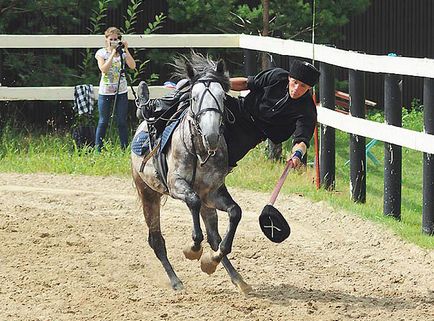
305 72
273 224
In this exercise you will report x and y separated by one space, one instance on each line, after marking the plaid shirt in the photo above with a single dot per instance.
83 99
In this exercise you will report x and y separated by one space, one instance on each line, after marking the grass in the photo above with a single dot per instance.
30 152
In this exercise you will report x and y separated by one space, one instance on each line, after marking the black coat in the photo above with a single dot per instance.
275 113
268 112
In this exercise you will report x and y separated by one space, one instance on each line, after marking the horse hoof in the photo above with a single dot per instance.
178 286
244 287
207 264
192 255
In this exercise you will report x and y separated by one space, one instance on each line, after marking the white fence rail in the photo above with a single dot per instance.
61 93
418 67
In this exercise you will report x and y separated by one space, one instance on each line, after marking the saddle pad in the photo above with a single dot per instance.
140 143
168 131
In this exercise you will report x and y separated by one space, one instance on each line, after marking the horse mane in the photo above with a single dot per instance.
204 67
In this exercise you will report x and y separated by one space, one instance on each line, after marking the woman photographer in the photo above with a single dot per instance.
112 83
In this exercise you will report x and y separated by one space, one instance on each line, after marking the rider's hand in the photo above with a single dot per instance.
296 159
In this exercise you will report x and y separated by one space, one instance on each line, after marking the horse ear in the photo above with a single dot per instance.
221 67
190 71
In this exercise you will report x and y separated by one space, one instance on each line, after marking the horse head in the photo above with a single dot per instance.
208 93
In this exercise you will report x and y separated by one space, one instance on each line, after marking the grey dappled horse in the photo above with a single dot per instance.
197 166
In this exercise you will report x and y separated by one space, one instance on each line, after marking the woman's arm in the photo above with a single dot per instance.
128 57
104 66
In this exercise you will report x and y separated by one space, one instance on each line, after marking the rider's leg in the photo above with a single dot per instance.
146 106
142 99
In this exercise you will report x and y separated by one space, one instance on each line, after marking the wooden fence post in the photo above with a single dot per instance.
357 143
327 142
392 153
428 161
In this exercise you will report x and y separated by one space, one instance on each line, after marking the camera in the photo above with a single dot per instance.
120 45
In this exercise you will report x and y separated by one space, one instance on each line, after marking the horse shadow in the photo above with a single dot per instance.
285 294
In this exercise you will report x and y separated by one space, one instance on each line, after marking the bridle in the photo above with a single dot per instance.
196 116
207 82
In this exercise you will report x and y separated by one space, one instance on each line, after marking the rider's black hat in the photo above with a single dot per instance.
305 72
273 224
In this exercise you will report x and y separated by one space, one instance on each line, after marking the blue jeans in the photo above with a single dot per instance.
104 108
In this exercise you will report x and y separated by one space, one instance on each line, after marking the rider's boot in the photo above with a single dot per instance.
149 108
142 100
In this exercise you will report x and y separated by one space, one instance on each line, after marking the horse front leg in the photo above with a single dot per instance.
183 191
224 202
209 216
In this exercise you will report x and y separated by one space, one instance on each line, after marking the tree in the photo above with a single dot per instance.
41 67
198 16
291 19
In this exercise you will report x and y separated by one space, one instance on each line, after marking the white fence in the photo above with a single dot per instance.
419 67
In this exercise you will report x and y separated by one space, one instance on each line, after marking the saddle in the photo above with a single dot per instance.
162 121
158 112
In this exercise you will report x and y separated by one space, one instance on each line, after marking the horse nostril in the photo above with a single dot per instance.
212 139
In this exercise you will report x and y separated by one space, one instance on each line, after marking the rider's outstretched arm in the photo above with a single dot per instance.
238 83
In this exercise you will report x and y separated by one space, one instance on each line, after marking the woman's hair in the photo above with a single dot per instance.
111 31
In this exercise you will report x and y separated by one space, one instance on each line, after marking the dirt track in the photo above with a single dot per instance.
75 248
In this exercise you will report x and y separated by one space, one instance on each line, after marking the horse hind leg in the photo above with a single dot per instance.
151 210
209 216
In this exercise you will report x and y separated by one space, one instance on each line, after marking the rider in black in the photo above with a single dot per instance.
278 106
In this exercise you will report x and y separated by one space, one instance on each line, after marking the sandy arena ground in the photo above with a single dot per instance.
75 248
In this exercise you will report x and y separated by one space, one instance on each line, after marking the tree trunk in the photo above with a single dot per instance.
274 151
265 30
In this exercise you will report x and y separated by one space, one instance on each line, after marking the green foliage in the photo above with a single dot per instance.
411 119
87 67
98 16
155 25
201 16
130 20
291 18
38 67
139 73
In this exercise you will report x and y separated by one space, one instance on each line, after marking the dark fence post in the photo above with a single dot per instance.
428 161
250 62
274 151
357 143
327 142
392 153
